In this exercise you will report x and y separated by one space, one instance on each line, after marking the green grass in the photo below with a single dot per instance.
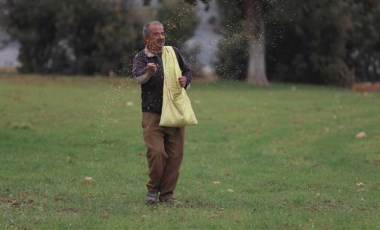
282 157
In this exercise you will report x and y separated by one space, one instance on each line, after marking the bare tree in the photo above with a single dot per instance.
255 28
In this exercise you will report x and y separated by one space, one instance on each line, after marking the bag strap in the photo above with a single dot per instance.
168 50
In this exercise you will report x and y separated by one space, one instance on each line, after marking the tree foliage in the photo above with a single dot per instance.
315 47
81 37
234 41
179 21
319 42
88 36
363 43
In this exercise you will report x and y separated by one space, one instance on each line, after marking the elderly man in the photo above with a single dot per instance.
164 144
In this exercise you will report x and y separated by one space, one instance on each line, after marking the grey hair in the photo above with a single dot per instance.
146 30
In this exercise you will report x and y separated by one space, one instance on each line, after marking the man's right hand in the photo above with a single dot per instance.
151 68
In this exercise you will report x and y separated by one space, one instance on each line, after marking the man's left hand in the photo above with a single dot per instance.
182 81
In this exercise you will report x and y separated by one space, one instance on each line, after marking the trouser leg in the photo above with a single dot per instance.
156 155
174 143
164 153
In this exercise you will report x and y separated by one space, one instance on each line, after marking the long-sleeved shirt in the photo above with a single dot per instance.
152 86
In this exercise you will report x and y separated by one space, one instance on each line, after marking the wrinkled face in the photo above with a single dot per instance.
156 38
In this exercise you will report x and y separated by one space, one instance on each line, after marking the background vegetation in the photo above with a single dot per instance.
318 42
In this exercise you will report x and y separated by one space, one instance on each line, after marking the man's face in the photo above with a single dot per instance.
156 38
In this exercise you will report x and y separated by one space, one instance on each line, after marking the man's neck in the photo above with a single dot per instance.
154 50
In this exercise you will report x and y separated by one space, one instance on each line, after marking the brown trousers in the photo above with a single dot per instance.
164 153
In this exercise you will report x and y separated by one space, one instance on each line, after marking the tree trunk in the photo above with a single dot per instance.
256 42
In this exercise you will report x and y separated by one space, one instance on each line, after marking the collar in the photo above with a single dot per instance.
147 53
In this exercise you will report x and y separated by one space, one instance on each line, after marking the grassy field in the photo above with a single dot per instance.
282 157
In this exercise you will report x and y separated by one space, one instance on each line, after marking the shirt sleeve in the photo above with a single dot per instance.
185 67
139 70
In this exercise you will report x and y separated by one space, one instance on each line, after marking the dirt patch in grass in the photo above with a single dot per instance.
12 201
68 210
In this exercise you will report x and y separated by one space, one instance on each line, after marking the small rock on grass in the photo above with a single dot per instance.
88 180
361 135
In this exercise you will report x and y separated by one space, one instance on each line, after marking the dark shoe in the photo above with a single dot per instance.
171 201
152 197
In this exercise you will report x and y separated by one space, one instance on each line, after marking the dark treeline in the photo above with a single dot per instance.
319 42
